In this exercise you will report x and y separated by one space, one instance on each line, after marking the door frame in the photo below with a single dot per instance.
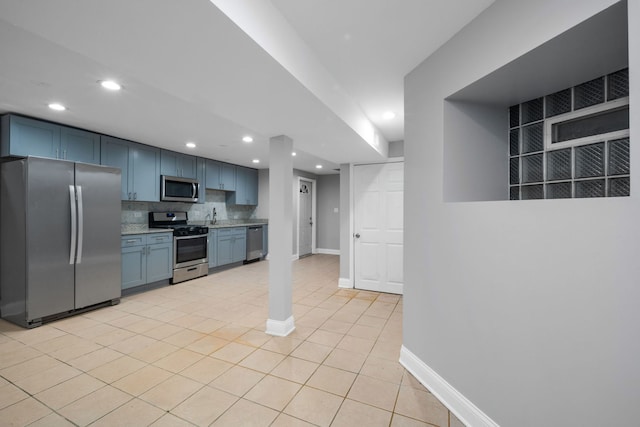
313 215
352 216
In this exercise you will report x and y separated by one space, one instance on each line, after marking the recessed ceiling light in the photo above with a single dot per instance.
57 107
247 139
191 145
388 115
110 84
293 154
318 166
256 160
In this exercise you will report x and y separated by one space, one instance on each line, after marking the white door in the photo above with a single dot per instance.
306 219
378 227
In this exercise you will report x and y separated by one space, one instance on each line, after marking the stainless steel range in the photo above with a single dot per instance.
190 245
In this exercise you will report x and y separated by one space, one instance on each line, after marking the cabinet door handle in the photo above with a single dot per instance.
148 250
57 150
64 154
135 196
131 241
129 195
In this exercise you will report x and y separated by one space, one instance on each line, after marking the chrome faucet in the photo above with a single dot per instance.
214 219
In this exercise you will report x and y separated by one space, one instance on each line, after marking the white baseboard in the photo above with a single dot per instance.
345 283
461 407
328 251
280 328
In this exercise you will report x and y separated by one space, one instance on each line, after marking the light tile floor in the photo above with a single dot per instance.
196 354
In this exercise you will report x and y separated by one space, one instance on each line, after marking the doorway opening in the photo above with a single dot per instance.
306 224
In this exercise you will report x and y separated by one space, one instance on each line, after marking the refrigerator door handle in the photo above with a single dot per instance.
72 203
80 225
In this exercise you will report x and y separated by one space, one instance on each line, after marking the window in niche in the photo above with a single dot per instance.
573 143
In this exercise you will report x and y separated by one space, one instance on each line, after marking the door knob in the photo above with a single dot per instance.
357 235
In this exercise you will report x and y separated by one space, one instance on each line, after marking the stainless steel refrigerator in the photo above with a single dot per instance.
59 239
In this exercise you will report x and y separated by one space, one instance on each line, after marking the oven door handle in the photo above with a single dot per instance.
195 236
194 190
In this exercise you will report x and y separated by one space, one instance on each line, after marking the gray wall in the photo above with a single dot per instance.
396 148
328 220
530 308
345 223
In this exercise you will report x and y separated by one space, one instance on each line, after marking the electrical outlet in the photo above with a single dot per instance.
335 210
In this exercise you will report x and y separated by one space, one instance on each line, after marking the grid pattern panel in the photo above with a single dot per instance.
514 142
619 187
532 111
514 193
532 169
559 165
619 157
599 169
590 188
532 138
531 192
514 171
514 116
558 103
618 84
589 160
560 190
589 93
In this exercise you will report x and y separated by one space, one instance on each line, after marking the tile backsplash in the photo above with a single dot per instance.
138 212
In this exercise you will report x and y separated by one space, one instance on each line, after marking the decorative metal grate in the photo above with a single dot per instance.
589 160
618 84
589 93
514 116
558 103
532 170
619 187
514 142
530 192
560 190
532 138
514 171
532 111
590 188
559 165
619 157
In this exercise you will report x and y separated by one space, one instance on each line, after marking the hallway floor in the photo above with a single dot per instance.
196 354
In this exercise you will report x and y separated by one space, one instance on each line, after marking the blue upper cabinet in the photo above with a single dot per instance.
228 177
79 145
201 176
22 136
246 187
27 137
140 165
115 152
177 164
221 176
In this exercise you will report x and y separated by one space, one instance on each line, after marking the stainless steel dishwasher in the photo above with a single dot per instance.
254 243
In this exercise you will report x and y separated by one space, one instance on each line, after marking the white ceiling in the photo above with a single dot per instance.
320 71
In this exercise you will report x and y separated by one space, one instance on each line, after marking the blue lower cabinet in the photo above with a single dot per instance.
213 249
146 259
134 270
231 245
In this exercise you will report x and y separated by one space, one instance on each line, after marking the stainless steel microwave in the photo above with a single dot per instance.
176 189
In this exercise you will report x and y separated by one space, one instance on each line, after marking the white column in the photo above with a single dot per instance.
280 320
